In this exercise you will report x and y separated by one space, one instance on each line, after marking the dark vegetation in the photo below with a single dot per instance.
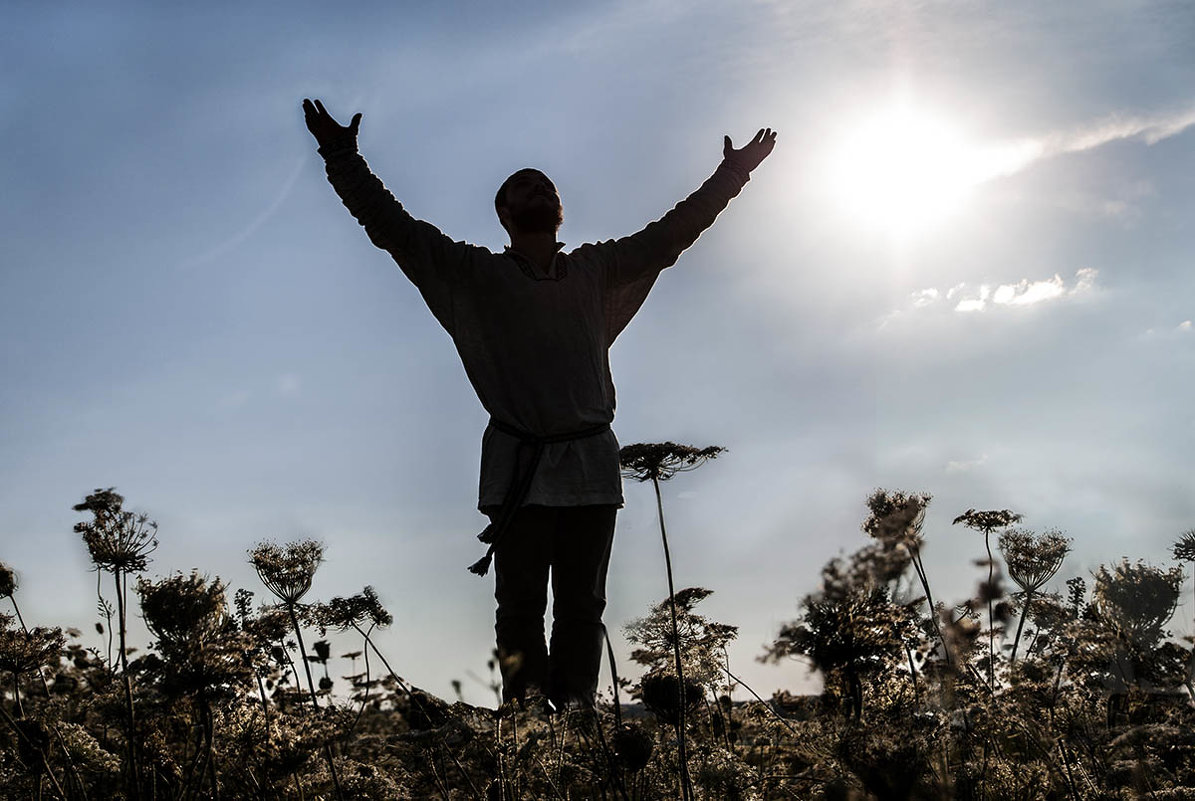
1020 692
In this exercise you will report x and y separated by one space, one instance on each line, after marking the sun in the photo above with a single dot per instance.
903 170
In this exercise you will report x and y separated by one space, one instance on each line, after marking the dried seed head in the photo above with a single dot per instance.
1033 559
118 541
1184 548
8 581
987 521
660 461
287 571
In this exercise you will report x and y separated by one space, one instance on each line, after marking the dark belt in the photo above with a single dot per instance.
520 482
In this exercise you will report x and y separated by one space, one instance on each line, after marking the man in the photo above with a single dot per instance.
533 326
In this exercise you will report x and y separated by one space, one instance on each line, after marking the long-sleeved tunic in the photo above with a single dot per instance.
534 347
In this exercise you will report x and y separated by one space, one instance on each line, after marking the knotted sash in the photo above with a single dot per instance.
520 482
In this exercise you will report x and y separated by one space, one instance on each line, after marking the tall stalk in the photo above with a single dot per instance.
294 619
919 568
682 749
120 578
1021 625
987 543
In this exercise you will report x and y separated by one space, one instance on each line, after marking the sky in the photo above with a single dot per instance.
965 270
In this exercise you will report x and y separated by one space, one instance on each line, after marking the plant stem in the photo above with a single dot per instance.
1017 639
121 589
294 619
682 750
987 542
929 599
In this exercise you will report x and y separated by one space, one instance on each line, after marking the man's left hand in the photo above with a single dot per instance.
751 154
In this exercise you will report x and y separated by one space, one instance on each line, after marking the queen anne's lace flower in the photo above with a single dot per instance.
660 461
287 570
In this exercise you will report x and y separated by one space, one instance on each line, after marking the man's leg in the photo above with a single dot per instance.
521 589
581 555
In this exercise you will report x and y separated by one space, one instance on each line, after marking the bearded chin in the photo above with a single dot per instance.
539 219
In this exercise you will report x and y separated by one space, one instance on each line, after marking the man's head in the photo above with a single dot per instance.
528 202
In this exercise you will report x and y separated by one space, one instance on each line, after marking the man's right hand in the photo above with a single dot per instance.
326 130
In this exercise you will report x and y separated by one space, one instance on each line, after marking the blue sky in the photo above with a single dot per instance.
965 270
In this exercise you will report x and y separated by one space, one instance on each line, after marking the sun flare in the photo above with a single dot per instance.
904 170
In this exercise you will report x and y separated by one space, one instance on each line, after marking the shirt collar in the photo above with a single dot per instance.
556 269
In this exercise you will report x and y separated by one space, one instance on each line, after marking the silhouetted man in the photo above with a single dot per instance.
533 326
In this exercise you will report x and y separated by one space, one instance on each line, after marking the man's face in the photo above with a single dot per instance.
532 203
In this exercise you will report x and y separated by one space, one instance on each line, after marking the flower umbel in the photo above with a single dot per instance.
26 651
1184 548
896 516
287 570
1033 559
987 521
118 541
346 613
8 581
660 461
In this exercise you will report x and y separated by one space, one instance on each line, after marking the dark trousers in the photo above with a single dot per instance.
571 545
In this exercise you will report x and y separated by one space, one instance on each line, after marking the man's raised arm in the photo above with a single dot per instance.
428 257
659 244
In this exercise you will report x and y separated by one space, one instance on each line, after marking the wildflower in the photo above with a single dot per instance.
896 516
8 581
1033 559
1184 548
633 746
987 521
346 613
287 571
200 647
183 608
660 461
1137 599
118 541
26 651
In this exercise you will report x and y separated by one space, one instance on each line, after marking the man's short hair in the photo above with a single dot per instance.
500 198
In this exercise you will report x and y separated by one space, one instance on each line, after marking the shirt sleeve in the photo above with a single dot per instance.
432 261
632 263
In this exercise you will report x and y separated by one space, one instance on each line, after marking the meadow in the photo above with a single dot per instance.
1019 692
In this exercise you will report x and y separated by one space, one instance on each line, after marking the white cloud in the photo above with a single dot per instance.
1021 293
964 466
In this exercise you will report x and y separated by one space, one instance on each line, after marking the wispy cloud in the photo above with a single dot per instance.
1183 329
965 465
1012 157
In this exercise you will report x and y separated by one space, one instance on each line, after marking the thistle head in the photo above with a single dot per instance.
660 461
1033 559
987 521
117 540
287 570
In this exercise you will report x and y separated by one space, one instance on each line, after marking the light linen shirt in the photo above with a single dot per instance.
535 347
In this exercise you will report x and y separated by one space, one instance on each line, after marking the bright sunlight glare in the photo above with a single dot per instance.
904 170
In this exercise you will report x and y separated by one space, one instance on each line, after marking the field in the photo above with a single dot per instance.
1016 693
